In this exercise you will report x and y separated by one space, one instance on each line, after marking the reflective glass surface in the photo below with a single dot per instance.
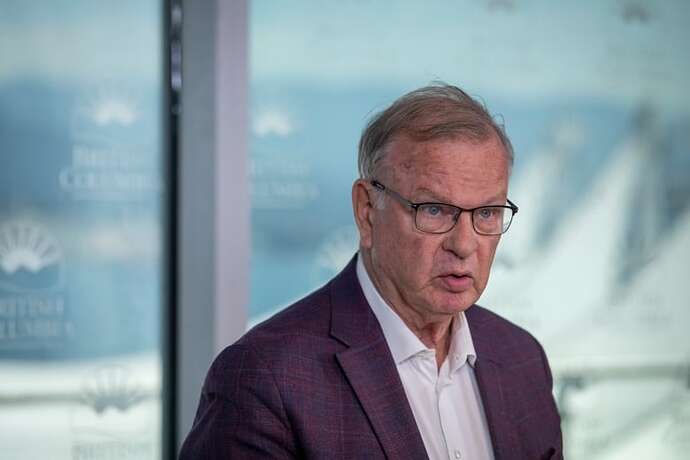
81 229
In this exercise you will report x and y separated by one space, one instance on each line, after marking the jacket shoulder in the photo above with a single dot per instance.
300 330
507 338
308 316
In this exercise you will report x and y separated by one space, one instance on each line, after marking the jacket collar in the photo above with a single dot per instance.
490 371
370 369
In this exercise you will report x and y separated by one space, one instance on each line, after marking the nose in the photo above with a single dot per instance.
462 240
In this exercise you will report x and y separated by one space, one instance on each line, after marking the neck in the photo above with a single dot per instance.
433 335
433 331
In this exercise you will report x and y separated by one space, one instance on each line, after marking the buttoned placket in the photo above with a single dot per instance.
446 416
440 379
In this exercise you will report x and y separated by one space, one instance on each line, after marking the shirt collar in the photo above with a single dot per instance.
461 348
403 343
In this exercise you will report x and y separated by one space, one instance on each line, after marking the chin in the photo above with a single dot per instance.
455 306
465 302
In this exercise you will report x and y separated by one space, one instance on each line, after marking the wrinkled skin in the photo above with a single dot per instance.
412 270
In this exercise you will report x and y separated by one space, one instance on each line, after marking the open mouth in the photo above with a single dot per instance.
457 282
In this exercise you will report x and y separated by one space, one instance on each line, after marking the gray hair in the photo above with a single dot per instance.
432 112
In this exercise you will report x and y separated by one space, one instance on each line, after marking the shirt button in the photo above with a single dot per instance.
457 454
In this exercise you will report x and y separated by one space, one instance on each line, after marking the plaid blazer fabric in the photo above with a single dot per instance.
317 381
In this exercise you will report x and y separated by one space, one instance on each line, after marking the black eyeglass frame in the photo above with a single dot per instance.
415 206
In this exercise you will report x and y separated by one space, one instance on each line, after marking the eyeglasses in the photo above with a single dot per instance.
441 218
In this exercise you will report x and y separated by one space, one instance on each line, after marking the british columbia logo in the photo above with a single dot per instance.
30 258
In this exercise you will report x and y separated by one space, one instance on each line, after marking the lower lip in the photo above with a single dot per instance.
457 283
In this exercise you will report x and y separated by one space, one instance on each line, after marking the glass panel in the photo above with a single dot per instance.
81 229
595 100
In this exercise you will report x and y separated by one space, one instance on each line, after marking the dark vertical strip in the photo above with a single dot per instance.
172 11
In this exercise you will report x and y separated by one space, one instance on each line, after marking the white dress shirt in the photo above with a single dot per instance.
445 402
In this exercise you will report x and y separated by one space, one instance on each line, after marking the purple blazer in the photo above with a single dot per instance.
318 381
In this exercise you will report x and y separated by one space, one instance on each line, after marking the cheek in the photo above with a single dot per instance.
403 254
391 245
485 254
384 242
418 254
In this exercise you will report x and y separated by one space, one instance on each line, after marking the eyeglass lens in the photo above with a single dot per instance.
440 218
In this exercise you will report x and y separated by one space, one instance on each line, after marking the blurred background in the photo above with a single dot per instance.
173 172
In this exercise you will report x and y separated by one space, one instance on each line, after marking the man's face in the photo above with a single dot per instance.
433 275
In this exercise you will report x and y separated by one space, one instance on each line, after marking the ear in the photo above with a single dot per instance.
363 209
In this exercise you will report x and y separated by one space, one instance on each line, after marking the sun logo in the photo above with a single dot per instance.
108 108
337 249
29 257
111 387
273 122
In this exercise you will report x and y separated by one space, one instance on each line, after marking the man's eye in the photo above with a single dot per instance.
488 213
432 210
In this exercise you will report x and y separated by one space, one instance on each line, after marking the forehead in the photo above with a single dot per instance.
448 167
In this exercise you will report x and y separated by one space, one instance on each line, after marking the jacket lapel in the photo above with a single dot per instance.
489 371
375 380
370 369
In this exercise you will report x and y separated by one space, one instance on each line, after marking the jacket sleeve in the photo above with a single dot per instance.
240 414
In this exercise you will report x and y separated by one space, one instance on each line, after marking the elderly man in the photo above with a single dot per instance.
393 358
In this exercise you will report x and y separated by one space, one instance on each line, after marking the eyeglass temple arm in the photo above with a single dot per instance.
513 205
